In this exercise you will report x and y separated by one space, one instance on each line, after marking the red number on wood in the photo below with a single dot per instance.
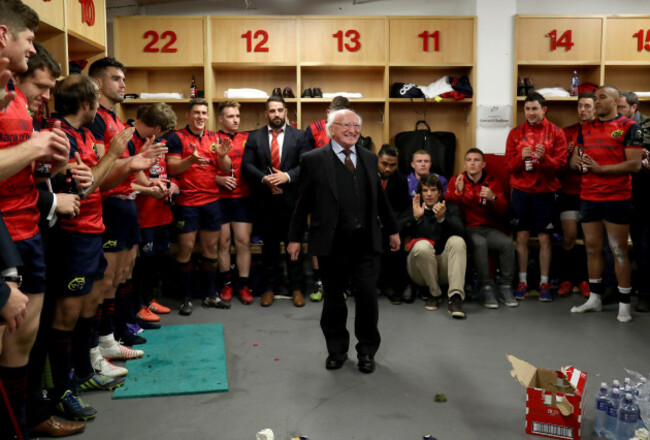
260 46
639 36
425 40
154 39
565 40
354 37
167 48
87 12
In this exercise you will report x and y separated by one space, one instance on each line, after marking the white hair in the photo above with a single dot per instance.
332 117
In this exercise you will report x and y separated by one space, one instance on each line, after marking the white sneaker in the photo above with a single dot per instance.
102 366
117 351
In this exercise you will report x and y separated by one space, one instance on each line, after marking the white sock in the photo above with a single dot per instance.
543 280
593 304
624 313
107 341
522 277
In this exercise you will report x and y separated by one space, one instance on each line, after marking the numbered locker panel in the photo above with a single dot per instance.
253 40
627 40
554 39
86 20
438 41
343 41
51 13
159 41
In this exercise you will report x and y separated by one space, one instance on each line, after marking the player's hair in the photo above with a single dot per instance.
18 17
159 115
72 92
388 150
227 104
332 116
589 94
196 101
430 180
476 151
420 152
631 98
99 68
42 59
534 96
275 98
616 92
339 103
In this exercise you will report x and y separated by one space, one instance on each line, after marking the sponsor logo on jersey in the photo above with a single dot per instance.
110 244
180 224
77 284
213 147
148 247
617 134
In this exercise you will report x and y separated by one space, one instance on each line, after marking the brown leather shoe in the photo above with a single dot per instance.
53 428
267 298
298 299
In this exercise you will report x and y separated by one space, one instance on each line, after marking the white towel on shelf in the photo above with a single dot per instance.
437 88
550 92
245 93
643 94
350 95
161 96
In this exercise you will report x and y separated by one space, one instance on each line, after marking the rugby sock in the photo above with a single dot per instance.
225 278
146 279
14 380
243 282
594 303
523 277
94 330
624 314
60 361
106 327
316 275
208 275
543 280
81 347
185 279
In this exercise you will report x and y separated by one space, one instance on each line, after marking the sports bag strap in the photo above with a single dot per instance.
422 122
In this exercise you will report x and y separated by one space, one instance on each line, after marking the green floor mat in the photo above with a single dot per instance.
178 359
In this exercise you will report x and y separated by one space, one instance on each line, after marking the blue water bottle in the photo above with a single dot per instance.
628 418
602 403
612 413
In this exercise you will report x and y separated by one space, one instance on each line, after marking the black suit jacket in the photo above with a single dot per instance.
318 197
397 191
257 161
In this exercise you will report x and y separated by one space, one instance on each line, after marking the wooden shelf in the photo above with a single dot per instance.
154 101
431 101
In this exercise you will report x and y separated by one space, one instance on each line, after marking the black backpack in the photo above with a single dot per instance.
441 145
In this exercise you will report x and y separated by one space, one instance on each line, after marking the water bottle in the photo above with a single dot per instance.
612 412
628 418
627 382
575 82
616 384
602 403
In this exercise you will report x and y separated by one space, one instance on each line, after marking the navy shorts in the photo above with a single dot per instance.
80 262
618 211
533 212
122 226
568 202
33 269
194 218
236 210
155 241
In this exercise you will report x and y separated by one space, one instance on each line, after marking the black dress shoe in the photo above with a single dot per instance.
335 361
318 93
366 364
307 93
277 92
288 93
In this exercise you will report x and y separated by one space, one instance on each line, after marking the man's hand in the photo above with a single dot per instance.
158 188
439 209
51 145
487 193
227 182
15 308
5 76
196 158
526 152
591 164
540 151
460 183
224 146
151 150
394 242
293 248
418 208
278 177
67 204
120 141
81 173
141 162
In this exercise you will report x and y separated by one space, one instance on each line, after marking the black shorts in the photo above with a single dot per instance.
155 241
194 218
79 263
236 210
618 211
33 268
533 212
122 226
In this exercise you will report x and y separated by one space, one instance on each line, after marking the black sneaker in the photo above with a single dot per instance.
456 307
186 308
148 325
130 339
73 408
215 301
432 303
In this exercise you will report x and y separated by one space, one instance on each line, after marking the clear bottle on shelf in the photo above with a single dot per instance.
602 403
628 418
193 88
575 82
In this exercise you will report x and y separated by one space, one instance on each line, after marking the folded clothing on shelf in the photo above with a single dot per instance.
643 94
550 92
344 94
245 93
437 87
161 96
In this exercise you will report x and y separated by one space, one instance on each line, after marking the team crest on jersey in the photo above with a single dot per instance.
95 150
213 147
110 244
148 247
77 284
156 170
180 224
617 134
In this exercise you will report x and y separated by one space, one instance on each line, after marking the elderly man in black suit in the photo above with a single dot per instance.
341 190
271 164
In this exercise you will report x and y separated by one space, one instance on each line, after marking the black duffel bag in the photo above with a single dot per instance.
441 145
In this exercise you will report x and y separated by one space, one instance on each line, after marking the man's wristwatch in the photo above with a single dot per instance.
18 279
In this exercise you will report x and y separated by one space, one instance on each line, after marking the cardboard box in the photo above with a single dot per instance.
554 399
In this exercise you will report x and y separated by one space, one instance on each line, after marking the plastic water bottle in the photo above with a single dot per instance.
628 418
627 382
616 384
575 82
612 412
602 403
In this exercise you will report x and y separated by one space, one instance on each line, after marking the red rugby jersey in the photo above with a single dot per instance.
198 184
317 134
474 214
570 179
18 194
89 220
236 154
152 212
543 178
104 127
605 142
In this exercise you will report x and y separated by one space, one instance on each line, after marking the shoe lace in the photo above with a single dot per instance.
73 401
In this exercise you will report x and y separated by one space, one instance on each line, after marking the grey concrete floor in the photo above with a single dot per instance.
282 384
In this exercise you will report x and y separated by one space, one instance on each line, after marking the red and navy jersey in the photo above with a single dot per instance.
606 142
317 134
89 220
152 212
543 178
236 154
491 214
104 127
198 184
569 178
18 194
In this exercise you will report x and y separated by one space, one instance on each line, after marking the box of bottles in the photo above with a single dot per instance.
554 399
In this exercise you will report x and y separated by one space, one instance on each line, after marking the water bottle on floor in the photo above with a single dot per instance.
612 413
602 403
628 418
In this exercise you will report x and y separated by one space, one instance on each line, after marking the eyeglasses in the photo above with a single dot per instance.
348 125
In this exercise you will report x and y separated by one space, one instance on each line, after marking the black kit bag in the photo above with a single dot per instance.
441 145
